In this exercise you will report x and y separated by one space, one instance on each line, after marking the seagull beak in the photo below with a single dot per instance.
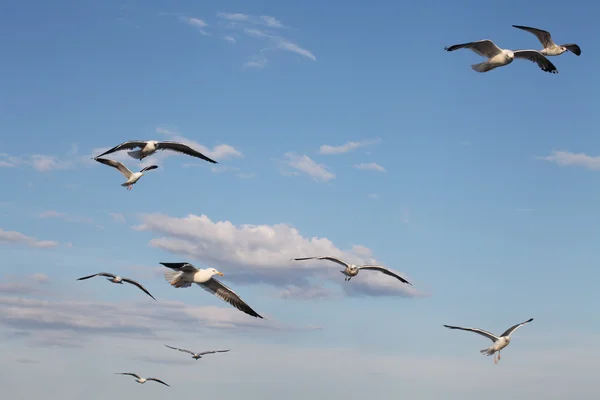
220 273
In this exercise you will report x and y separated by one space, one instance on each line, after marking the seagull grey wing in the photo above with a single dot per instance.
487 334
116 164
224 293
542 35
157 380
183 266
513 328
124 146
330 258
538 58
128 373
485 48
213 352
385 271
185 149
573 48
149 167
98 274
139 285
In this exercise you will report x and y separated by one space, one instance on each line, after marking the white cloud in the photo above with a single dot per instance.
261 253
198 23
257 62
271 21
370 167
118 217
233 16
39 162
311 292
567 158
15 237
67 217
230 39
319 172
346 147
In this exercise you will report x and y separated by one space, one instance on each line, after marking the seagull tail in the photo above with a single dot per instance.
137 154
487 352
481 67
170 276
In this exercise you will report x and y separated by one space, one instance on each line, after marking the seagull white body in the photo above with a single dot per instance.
149 147
197 356
132 177
351 270
140 379
497 57
500 342
550 48
184 274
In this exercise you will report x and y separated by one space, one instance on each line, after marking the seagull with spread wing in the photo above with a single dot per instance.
550 48
117 279
141 380
149 147
351 270
500 342
197 356
132 177
497 57
184 274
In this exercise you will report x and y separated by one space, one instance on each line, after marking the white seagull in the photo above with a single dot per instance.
117 279
184 274
497 57
550 48
500 342
196 356
132 177
149 147
141 380
351 270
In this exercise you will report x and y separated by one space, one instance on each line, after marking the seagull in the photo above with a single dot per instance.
352 270
132 177
184 274
498 57
141 380
117 279
150 147
196 356
500 342
550 48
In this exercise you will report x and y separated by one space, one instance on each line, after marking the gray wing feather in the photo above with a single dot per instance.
330 258
538 58
116 164
385 271
542 35
125 146
213 351
98 274
513 328
484 48
157 380
149 167
224 293
128 373
139 285
487 334
183 148
184 350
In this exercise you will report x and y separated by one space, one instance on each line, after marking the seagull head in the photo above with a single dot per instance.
215 272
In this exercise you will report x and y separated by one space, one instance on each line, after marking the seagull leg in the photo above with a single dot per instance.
495 360
498 356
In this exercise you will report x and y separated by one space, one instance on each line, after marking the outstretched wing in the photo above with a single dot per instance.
385 271
182 266
213 351
538 58
542 35
330 258
573 48
487 334
184 350
139 285
98 274
149 167
116 164
224 293
128 373
485 48
124 146
183 148
513 328
157 380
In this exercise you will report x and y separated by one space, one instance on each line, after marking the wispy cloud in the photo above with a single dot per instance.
346 147
39 162
258 62
68 218
14 237
233 16
198 23
305 164
117 217
230 39
271 21
567 158
370 167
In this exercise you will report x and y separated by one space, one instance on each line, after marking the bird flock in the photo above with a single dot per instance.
184 274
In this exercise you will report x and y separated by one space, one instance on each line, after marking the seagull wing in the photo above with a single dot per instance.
139 285
213 351
485 48
183 266
542 35
98 274
385 271
124 146
488 335
128 373
573 48
183 148
116 164
224 293
334 259
510 330
538 58
157 380
149 167
184 350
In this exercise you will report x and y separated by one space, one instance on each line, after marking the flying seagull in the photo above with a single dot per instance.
117 279
184 274
141 380
150 147
132 177
497 57
500 342
550 48
352 270
196 356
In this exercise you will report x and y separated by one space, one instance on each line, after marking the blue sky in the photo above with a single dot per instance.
340 128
